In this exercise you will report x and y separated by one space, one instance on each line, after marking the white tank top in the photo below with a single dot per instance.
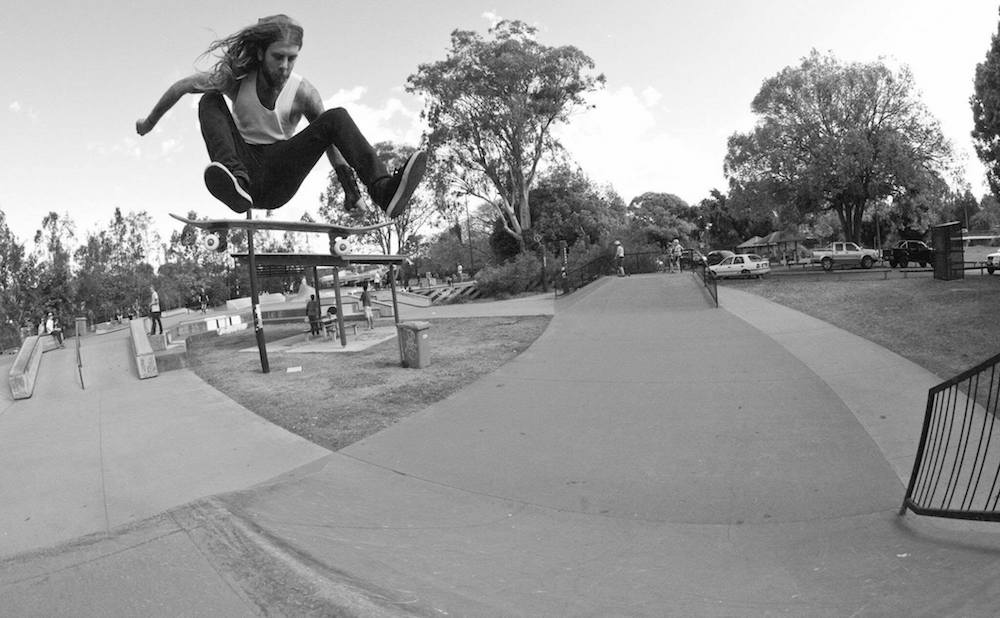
259 125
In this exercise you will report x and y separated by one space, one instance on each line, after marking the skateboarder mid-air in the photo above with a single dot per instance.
258 161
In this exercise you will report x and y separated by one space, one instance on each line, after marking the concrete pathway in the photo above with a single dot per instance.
81 460
649 455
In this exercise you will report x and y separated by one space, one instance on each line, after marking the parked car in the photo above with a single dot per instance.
714 257
993 262
845 254
741 265
906 251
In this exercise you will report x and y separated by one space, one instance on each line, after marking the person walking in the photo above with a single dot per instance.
676 250
257 158
312 314
619 258
366 304
154 310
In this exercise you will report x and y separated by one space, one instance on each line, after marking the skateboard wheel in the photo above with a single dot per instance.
339 246
214 242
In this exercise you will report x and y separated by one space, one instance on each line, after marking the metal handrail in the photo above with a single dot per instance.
956 472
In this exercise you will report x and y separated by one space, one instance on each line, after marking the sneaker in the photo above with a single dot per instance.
348 182
393 193
227 188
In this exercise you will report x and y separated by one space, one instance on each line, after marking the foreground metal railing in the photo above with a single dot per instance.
956 473
709 281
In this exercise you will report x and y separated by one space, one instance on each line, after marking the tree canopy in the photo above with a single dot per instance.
837 137
985 103
491 105
662 217
567 206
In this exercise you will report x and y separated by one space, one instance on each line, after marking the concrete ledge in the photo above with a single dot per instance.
200 340
145 360
174 357
24 370
47 343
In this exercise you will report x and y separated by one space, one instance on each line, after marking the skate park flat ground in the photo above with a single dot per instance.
654 456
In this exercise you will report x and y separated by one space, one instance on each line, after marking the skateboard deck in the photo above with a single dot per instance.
218 228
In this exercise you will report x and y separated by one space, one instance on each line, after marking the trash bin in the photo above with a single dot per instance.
81 327
414 344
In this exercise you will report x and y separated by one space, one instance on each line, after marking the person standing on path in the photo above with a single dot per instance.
366 303
154 310
312 313
676 250
619 258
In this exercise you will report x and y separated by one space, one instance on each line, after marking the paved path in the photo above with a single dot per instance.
76 461
649 455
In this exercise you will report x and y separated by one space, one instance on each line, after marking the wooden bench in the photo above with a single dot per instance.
24 370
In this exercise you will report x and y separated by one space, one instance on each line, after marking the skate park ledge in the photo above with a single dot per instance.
142 350
24 370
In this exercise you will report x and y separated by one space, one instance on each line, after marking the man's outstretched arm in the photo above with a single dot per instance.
199 82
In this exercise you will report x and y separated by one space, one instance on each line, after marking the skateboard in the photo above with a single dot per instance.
216 239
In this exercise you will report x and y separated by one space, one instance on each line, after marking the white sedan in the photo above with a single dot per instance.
993 262
742 265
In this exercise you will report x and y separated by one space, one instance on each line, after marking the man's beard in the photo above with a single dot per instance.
273 80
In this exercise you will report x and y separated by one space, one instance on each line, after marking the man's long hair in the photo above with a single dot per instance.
238 51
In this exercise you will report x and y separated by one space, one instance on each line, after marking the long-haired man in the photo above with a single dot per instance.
257 158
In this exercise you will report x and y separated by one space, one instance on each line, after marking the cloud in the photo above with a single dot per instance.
492 17
393 121
128 147
170 146
622 141
18 108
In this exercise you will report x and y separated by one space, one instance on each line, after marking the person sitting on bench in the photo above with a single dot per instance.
329 322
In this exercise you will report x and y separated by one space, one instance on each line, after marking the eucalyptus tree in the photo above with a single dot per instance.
837 137
491 105
985 103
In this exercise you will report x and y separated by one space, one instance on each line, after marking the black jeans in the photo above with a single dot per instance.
276 171
154 317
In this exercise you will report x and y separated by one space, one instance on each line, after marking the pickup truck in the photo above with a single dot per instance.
906 251
845 254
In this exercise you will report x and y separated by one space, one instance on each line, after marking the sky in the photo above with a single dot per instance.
681 75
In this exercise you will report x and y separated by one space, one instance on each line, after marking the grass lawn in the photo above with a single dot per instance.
944 326
339 398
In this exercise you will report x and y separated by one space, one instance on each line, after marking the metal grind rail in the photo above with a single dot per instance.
709 281
79 360
956 473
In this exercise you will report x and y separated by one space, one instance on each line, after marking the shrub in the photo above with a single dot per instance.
515 276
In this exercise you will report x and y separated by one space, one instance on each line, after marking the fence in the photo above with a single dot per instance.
635 263
956 473
710 282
